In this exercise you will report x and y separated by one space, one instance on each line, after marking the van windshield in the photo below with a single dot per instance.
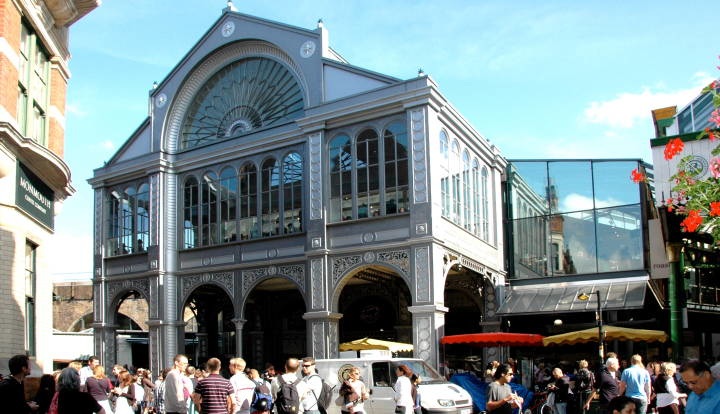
426 373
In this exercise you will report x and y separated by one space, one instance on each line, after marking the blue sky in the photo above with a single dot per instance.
550 79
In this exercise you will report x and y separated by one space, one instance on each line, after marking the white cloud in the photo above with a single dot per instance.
579 202
75 110
627 108
107 145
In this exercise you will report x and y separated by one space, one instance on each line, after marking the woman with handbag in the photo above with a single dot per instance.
404 399
125 392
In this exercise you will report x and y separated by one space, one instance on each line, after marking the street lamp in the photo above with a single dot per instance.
598 317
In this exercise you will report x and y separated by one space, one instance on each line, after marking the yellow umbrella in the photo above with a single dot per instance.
612 333
369 343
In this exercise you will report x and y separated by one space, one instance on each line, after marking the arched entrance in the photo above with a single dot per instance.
463 296
374 303
131 331
274 328
209 328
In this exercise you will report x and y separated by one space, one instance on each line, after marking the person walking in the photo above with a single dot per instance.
243 387
607 385
404 399
500 398
125 391
87 371
99 387
309 401
705 396
175 398
354 393
584 384
560 387
667 396
213 395
635 383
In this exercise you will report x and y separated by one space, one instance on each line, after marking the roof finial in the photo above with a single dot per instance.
155 85
421 72
320 23
231 6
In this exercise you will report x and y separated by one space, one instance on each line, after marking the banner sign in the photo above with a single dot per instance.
34 197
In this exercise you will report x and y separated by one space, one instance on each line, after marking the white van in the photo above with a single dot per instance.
437 395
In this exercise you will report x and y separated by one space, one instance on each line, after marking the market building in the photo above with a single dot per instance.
279 200
34 179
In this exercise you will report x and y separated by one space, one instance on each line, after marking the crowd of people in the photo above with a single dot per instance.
619 387
185 389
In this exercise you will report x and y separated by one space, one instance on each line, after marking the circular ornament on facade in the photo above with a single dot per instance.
368 237
206 261
491 313
161 100
307 49
696 166
228 29
369 257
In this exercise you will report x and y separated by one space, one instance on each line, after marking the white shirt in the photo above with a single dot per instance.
403 394
85 373
666 398
244 391
314 389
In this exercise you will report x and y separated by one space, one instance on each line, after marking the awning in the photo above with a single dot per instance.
494 339
544 297
370 343
612 333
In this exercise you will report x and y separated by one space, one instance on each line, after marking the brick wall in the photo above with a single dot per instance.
10 31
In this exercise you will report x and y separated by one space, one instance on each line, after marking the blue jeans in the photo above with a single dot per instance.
641 405
561 408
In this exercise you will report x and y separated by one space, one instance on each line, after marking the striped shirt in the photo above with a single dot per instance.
214 391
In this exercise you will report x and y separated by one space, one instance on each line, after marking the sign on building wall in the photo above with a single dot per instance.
660 267
34 197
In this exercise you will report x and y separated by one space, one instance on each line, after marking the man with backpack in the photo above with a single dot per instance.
319 393
287 389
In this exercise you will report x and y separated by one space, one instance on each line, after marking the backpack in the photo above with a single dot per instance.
288 399
325 398
262 399
583 380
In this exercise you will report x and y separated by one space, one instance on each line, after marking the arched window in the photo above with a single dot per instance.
142 219
466 185
248 196
270 197
445 174
396 168
228 204
341 165
486 205
368 175
209 218
476 200
455 171
292 192
191 217
127 222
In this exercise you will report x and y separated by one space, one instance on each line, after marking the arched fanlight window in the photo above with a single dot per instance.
244 96
445 174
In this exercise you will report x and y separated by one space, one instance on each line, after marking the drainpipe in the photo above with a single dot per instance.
674 255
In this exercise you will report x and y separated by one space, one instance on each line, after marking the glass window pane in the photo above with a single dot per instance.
613 187
529 183
619 237
570 186
575 235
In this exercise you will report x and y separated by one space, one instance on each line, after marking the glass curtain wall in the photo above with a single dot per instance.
574 217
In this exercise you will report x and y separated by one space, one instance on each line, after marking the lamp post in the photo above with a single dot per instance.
598 317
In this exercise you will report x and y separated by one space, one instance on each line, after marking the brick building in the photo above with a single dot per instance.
34 179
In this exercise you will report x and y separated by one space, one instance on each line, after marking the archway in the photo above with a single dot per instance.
131 330
374 303
208 314
274 328
463 296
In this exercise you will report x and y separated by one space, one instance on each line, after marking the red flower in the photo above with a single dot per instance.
715 209
692 221
673 148
715 117
712 135
637 176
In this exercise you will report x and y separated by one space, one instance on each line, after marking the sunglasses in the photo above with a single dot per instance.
307 365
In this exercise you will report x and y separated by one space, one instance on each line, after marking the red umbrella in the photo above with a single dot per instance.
494 339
